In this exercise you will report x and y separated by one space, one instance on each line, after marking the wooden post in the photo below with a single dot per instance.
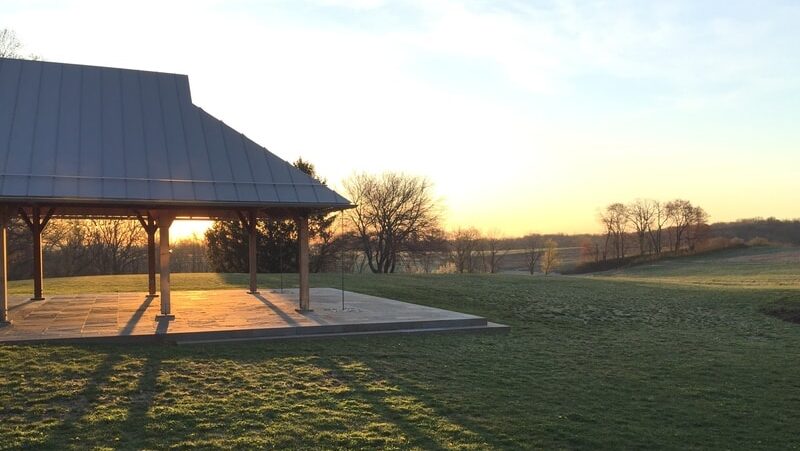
164 222
4 217
38 265
151 261
150 227
252 244
37 224
302 261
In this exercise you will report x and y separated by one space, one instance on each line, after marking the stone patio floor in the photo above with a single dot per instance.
221 315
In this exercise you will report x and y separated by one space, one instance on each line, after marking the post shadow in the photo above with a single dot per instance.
137 315
284 316
70 425
135 424
417 436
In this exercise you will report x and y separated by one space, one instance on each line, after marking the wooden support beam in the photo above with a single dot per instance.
252 247
36 223
4 220
150 227
164 222
38 263
302 261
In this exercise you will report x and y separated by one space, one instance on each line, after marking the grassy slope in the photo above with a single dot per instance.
616 362
760 268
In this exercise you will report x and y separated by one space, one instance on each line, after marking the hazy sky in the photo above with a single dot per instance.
527 116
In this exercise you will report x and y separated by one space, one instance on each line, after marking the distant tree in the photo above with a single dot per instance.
277 241
226 243
464 244
189 255
494 251
533 253
320 226
640 215
10 46
115 246
698 228
615 220
659 220
66 242
550 258
392 211
227 246
590 251
681 213
427 249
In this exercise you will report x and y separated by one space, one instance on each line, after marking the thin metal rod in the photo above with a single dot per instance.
341 253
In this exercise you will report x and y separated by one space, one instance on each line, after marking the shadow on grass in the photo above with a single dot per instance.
786 308
414 417
70 426
134 428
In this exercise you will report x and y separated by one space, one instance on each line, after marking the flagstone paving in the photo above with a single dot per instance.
220 314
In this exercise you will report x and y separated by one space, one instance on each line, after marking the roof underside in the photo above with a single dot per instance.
76 134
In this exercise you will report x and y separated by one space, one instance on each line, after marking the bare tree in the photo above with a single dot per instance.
533 252
660 219
550 258
427 250
189 255
615 220
115 245
392 209
640 214
698 227
67 241
590 251
10 46
464 244
494 251
681 213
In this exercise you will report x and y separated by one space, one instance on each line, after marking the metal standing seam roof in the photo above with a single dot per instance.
96 134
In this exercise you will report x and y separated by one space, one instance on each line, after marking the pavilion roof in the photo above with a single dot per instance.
97 135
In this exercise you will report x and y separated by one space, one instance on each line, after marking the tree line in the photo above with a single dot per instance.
74 247
654 226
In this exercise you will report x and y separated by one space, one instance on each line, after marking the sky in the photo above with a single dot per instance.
527 116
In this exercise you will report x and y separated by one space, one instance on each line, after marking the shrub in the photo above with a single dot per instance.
758 241
719 243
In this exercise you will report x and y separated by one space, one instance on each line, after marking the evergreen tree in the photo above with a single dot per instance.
277 241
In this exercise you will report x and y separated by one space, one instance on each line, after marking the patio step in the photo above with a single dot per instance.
488 328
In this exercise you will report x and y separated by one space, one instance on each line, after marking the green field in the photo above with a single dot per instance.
680 355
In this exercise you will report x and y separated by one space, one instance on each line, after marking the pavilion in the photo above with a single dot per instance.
95 142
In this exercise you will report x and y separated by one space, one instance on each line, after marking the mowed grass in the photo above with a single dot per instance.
620 361
758 268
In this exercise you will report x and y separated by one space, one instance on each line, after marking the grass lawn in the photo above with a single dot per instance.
668 357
